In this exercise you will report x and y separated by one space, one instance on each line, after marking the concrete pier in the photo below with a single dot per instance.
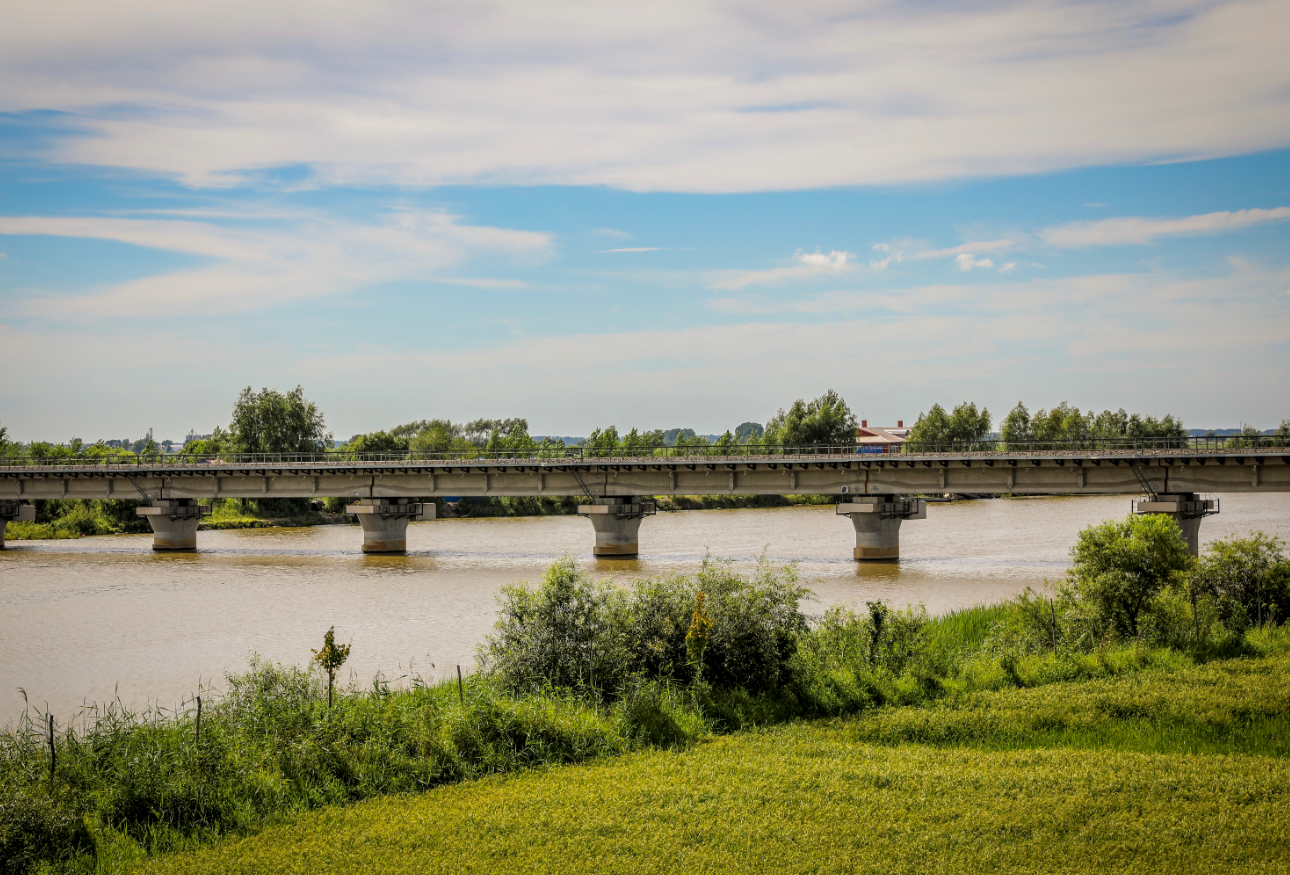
1186 509
174 523
877 520
13 512
617 521
385 522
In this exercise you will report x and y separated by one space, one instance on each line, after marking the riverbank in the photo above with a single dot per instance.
625 681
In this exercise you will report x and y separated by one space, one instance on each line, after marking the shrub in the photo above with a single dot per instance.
570 632
1120 566
1248 577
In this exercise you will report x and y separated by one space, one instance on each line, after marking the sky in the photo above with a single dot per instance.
647 215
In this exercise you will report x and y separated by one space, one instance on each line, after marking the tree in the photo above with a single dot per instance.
825 421
749 432
1016 427
377 442
331 657
965 424
270 422
1120 566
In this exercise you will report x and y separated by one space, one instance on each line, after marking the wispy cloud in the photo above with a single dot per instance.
613 232
255 266
809 264
1138 230
637 249
1008 267
700 96
966 261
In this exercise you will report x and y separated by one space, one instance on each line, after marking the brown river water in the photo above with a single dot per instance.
90 619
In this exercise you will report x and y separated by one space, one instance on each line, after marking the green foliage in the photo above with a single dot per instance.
269 421
1249 579
1120 566
824 421
748 432
572 633
1066 423
378 442
964 424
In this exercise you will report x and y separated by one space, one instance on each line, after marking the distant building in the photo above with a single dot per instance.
875 439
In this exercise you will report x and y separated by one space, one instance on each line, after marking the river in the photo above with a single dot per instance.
86 620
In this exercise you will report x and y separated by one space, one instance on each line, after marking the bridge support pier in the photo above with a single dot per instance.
385 522
877 520
1186 509
13 512
174 523
617 521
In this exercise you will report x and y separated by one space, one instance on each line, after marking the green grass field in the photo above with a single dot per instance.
1158 771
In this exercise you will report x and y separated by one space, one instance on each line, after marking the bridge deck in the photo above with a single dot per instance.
1038 472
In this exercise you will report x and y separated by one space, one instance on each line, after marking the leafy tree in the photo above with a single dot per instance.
331 657
602 440
377 442
643 442
1120 566
220 441
269 421
1016 427
964 424
749 432
1248 577
824 421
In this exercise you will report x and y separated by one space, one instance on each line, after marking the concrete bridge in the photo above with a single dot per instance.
877 491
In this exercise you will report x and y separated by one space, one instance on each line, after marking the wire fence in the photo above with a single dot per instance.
646 454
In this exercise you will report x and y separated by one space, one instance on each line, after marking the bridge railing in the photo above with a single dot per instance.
751 452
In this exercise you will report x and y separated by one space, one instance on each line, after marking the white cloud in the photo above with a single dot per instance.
681 95
1137 230
966 261
254 266
613 232
809 264
636 249
1008 267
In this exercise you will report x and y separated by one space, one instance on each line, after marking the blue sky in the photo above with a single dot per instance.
687 215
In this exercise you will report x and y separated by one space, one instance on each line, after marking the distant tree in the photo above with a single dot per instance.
749 432
1061 423
377 442
1120 566
220 441
602 440
1016 427
964 424
269 421
824 421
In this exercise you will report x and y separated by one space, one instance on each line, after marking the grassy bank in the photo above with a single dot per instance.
1052 783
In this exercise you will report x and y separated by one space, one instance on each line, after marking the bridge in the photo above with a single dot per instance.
877 491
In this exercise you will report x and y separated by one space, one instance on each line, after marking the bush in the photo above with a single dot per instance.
1249 578
569 632
1120 566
